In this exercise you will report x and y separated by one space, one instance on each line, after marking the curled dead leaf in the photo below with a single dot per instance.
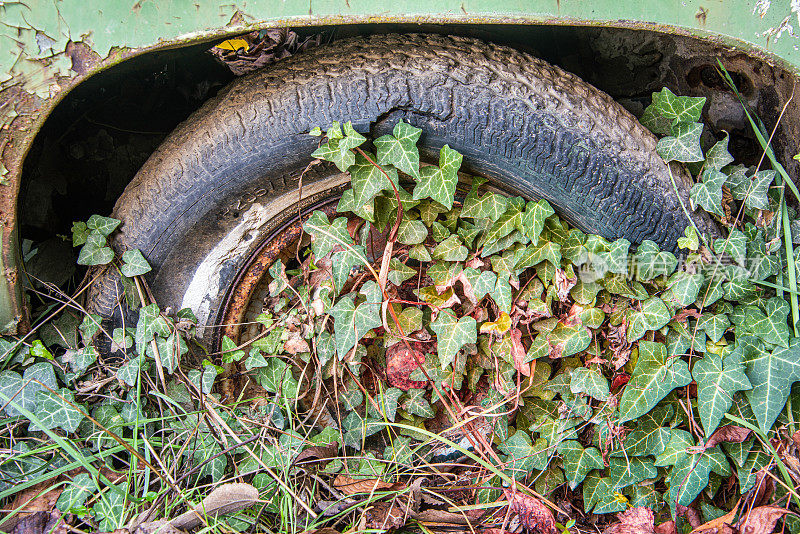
350 486
718 525
729 434
563 284
636 520
296 344
533 514
319 453
518 353
760 520
388 515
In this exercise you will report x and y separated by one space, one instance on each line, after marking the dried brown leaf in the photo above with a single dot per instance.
350 486
41 522
636 520
518 353
296 344
760 520
388 515
563 284
319 453
533 515
667 527
729 434
717 526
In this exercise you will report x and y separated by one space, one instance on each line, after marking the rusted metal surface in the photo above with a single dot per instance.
252 276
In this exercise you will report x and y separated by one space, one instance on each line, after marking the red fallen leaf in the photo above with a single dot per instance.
557 350
760 520
563 284
619 381
574 315
533 515
667 527
683 315
729 434
296 344
636 520
400 363
518 352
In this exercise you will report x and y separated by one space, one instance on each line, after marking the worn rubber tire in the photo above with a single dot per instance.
532 128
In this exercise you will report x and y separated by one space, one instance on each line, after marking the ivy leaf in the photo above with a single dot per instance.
590 382
708 193
110 510
737 181
535 215
439 183
450 249
690 241
653 315
368 180
734 246
535 254
717 381
399 272
411 232
95 251
683 145
652 261
771 375
490 206
677 448
326 235
452 334
350 323
687 479
134 264
400 149
601 497
653 378
718 156
627 471
276 377
683 288
102 225
416 404
523 454
56 410
501 294
579 461
338 149
770 327
668 109
76 491
20 392
714 325
79 233
509 221
756 196
344 261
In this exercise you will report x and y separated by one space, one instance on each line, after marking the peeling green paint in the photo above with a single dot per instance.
49 46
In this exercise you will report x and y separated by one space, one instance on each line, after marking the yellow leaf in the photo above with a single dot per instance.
499 327
233 45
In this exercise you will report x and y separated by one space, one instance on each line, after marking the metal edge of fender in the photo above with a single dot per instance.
49 47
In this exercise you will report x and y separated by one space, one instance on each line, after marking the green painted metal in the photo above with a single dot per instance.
35 53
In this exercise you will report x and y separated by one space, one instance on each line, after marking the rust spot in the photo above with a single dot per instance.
248 280
83 57
701 15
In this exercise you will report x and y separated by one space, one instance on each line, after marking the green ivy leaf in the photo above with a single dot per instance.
683 145
771 375
734 246
543 250
523 454
400 149
600 496
451 249
344 261
677 448
652 262
535 215
416 404
490 206
76 492
683 288
590 382
439 183
501 294
708 193
756 195
568 340
129 372
714 325
134 264
102 225
718 379
504 225
57 410
411 232
109 511
325 235
653 315
452 334
668 109
338 149
770 327
690 241
653 378
350 323
79 233
399 272
718 156
627 471
579 461
95 251
20 392
368 180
